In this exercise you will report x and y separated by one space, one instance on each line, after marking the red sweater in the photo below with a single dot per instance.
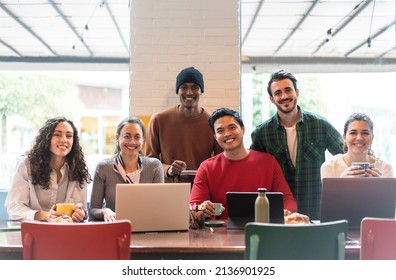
218 175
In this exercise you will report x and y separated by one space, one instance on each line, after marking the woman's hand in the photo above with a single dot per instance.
357 171
373 172
42 216
354 171
108 215
79 213
53 216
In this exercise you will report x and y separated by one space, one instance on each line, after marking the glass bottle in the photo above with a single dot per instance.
261 207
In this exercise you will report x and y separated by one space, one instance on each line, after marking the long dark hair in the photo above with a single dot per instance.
39 156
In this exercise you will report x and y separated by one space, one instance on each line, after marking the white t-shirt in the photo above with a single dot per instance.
336 165
291 134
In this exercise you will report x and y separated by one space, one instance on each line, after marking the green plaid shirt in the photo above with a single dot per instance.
315 135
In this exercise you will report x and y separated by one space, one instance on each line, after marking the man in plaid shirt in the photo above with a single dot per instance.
298 140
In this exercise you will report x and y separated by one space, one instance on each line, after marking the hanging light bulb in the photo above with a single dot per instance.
329 34
369 42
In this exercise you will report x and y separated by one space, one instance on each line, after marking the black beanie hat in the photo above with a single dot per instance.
189 75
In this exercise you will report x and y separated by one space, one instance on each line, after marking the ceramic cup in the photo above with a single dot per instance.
218 208
65 208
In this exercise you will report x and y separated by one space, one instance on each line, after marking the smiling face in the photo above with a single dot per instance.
189 94
62 140
130 140
229 134
358 137
283 95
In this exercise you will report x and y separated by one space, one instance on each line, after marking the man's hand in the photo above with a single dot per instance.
295 218
176 168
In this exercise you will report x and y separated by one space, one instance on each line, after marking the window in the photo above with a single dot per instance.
334 96
94 101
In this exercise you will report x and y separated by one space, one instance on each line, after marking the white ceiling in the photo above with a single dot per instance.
296 32
272 31
71 30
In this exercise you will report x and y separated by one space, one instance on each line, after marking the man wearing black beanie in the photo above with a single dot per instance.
180 136
189 75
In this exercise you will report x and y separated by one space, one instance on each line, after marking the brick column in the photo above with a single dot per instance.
167 36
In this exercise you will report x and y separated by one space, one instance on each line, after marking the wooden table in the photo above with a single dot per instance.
193 244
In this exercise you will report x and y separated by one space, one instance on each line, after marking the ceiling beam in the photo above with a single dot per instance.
11 48
340 61
271 64
27 28
297 26
379 32
386 52
65 59
252 21
72 28
116 26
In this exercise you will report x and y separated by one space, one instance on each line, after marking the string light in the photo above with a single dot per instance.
369 42
371 24
329 35
101 4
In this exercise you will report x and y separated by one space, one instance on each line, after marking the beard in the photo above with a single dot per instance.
290 108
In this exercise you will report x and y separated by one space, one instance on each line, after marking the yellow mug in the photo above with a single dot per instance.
65 208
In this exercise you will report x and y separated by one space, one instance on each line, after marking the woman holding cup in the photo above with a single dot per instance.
52 171
358 159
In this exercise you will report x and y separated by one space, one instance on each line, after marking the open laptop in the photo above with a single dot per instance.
154 207
241 208
10 225
355 198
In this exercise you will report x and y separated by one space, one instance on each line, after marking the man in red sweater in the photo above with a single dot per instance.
237 169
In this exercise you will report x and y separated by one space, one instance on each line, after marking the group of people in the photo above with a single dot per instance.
287 155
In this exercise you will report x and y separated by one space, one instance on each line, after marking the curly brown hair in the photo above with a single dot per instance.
39 156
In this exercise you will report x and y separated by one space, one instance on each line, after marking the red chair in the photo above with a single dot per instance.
378 239
76 241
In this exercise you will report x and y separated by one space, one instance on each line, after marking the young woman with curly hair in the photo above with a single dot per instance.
52 171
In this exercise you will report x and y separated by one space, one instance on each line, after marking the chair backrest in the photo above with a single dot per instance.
378 239
325 241
3 210
76 241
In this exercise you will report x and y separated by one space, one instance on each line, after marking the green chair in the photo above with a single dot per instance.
325 241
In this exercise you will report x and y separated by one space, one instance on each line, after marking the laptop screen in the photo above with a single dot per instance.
355 198
154 207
